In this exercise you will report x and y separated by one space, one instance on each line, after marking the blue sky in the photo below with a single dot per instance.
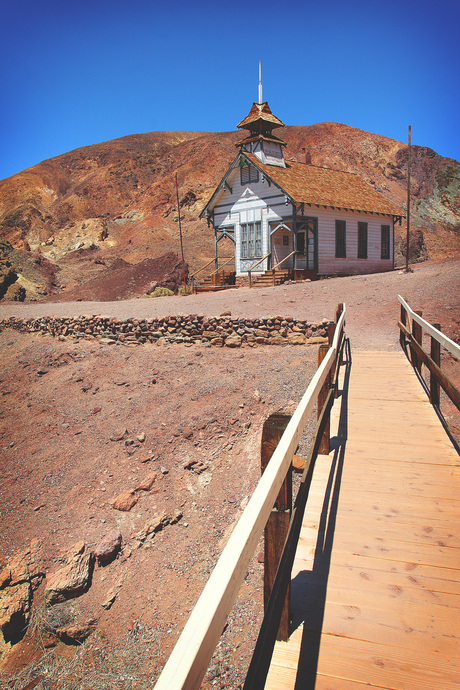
78 73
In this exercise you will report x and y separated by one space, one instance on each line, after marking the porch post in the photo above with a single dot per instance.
294 233
216 260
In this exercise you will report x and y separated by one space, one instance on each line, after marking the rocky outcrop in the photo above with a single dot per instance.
18 579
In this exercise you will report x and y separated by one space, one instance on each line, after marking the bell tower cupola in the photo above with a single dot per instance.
260 123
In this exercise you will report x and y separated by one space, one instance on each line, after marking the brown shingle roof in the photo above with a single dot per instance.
260 111
311 184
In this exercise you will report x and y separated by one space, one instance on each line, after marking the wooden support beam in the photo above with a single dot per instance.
277 526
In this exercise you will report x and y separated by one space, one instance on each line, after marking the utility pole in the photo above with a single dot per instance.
408 204
180 235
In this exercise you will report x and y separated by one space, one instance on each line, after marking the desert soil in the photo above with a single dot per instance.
64 402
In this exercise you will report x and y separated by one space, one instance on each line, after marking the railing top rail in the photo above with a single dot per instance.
259 262
283 260
202 268
232 258
445 341
190 657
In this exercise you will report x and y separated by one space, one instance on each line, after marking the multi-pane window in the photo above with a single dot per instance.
362 240
385 242
249 174
251 240
340 239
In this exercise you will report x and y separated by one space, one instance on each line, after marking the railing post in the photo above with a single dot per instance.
277 526
249 277
324 445
403 319
274 279
417 334
436 357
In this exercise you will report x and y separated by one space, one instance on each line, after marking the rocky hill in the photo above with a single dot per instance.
66 223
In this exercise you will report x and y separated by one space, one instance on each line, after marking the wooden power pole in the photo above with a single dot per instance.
180 235
408 204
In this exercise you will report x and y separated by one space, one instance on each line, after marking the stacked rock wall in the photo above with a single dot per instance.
184 328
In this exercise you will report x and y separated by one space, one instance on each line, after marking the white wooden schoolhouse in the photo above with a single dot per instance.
294 217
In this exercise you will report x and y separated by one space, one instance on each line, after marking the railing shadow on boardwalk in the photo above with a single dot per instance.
308 589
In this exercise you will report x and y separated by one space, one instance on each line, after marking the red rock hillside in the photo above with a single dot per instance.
69 224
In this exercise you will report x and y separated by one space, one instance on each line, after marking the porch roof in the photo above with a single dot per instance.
316 186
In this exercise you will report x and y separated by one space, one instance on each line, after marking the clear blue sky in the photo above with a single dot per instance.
78 73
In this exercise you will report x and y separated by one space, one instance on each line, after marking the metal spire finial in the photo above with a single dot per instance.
260 83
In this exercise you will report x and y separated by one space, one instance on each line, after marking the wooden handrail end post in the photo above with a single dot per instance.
325 440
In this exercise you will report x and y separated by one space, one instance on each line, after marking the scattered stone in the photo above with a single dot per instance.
141 437
298 464
147 483
226 313
108 548
73 579
125 501
119 435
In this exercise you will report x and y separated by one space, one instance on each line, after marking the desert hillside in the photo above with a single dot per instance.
72 219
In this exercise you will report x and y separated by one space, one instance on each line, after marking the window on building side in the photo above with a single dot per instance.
251 240
340 239
385 242
362 240
249 174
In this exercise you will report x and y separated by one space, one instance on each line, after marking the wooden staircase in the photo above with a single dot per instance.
223 280
267 279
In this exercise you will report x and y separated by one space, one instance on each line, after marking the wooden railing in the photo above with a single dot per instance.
189 660
193 276
280 263
411 327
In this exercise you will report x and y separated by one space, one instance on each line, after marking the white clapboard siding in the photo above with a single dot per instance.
327 261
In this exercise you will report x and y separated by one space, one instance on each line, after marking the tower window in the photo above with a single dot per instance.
249 174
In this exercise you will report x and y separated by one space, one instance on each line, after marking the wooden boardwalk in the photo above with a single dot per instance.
376 580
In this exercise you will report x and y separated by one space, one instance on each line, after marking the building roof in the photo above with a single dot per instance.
260 112
313 185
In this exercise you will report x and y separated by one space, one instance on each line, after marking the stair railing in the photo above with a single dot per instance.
257 264
279 264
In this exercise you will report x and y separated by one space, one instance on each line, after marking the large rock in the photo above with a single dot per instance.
108 548
233 340
73 579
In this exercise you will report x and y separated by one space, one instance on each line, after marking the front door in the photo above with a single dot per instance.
307 243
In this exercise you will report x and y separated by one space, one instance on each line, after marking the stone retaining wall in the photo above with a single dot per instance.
184 328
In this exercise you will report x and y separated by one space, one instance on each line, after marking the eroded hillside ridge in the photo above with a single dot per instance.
117 199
